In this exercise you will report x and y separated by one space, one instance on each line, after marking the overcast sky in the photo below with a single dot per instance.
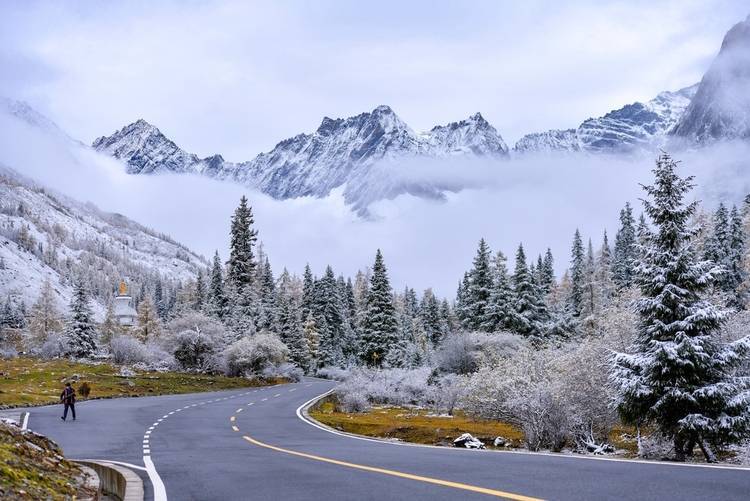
236 77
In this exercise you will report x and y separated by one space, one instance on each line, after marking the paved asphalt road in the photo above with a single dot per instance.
211 450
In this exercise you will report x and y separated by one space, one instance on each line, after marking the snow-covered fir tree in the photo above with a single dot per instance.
379 327
429 313
241 264
80 328
199 299
625 252
603 272
217 301
480 287
590 286
291 332
498 313
329 318
735 273
577 275
548 267
529 312
679 376
312 340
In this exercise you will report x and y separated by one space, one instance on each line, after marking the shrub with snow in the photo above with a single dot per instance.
285 370
195 340
465 352
55 346
127 350
252 355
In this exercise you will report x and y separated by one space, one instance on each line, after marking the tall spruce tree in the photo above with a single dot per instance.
429 313
80 330
577 275
291 332
548 267
626 252
498 313
529 311
679 377
379 326
217 302
604 272
328 310
480 286
241 265
735 273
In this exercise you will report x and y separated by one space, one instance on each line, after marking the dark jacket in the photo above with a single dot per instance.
68 395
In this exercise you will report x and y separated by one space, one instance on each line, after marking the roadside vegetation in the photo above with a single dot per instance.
33 467
29 381
414 425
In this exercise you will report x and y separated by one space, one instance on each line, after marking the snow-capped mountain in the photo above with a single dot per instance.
48 235
338 151
721 106
632 127
25 113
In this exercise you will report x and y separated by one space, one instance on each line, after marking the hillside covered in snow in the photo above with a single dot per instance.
45 235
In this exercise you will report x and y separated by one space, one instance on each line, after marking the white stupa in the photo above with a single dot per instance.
124 311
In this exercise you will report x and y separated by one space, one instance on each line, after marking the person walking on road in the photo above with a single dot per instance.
68 397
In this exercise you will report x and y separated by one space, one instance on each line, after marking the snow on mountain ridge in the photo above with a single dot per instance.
632 127
63 238
721 106
313 164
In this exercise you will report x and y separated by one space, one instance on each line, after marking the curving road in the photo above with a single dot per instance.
251 444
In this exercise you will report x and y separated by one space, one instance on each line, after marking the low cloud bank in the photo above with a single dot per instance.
427 242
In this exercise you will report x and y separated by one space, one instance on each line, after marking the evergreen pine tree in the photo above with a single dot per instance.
291 332
217 298
462 302
480 286
548 266
379 326
308 292
199 299
679 376
529 311
241 265
429 314
498 313
577 275
604 272
80 330
717 246
329 318
625 253
590 287
735 272
267 314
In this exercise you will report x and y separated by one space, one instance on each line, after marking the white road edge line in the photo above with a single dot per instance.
160 493
25 421
301 409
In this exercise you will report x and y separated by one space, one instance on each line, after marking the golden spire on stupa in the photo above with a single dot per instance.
123 288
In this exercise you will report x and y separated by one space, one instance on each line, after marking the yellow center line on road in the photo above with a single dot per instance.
409 476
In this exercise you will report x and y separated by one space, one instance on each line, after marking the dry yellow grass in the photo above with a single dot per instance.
29 381
414 425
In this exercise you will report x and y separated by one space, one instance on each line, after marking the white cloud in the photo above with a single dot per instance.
540 201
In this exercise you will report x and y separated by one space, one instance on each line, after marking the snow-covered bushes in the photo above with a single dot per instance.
55 346
556 396
252 355
127 350
285 370
465 352
386 386
334 373
195 340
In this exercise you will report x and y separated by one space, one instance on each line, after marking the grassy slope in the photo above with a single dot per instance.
32 467
414 425
28 381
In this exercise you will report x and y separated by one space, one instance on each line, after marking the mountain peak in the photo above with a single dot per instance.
721 106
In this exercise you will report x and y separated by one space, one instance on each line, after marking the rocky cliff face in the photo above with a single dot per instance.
721 106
